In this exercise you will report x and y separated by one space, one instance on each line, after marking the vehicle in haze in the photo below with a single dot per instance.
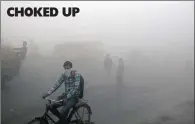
10 64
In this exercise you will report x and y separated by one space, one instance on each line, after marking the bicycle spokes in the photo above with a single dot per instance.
81 116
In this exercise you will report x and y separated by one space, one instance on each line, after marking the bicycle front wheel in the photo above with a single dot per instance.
38 121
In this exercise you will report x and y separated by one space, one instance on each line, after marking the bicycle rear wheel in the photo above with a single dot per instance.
80 115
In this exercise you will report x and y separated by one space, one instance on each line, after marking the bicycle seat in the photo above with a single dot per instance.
82 100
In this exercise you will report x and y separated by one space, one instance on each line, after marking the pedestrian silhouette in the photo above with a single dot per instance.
120 71
119 85
108 64
22 50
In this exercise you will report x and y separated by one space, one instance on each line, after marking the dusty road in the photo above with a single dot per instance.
140 104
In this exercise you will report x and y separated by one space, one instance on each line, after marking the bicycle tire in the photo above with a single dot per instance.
75 109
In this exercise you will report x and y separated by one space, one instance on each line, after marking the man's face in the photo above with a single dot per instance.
67 70
67 67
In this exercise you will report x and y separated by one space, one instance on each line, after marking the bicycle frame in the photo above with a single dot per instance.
47 118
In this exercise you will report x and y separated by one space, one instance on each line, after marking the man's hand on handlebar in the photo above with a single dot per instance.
45 95
61 99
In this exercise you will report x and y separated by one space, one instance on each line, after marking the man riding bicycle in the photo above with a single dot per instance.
72 80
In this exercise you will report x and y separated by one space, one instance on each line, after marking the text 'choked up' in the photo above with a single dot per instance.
42 11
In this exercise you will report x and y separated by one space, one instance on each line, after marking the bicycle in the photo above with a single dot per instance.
46 119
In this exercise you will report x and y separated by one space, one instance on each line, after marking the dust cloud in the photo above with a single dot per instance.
154 39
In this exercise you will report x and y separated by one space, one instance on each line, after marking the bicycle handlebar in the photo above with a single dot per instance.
57 101
51 100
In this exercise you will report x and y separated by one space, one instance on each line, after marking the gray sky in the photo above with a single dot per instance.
126 23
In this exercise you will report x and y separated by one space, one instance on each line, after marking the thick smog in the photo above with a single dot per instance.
136 59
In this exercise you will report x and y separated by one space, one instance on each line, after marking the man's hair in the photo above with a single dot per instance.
67 63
